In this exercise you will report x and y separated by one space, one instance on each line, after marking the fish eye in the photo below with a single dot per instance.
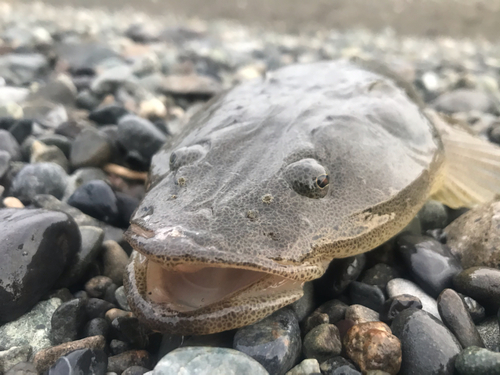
186 155
308 178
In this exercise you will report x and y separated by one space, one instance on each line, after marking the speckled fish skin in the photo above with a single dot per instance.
239 186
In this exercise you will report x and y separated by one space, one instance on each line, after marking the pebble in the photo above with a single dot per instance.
458 320
96 327
373 347
40 178
90 148
96 286
108 114
475 236
114 259
126 207
431 263
428 347
14 355
338 366
121 298
92 239
313 320
5 159
367 295
490 333
477 361
35 246
23 368
140 136
96 199
322 342
67 321
31 329
60 141
135 370
379 275
338 276
118 347
97 308
12 202
476 311
128 329
10 145
82 361
480 283
393 306
306 367
208 361
111 79
120 362
306 304
361 314
22 68
80 177
464 100
433 215
190 85
397 287
274 342
21 129
41 153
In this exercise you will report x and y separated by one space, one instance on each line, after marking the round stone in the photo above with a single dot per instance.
322 342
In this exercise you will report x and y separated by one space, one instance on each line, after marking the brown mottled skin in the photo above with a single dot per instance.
246 187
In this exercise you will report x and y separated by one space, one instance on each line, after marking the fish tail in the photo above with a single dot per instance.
471 171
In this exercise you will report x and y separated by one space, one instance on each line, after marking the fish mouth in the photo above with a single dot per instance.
185 295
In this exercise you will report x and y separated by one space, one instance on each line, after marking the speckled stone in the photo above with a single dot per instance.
208 361
306 367
477 361
490 333
361 314
14 355
274 342
338 366
322 342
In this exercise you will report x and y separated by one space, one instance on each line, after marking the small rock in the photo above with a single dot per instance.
96 327
21 129
129 330
60 141
126 207
90 148
96 287
190 85
111 79
433 215
430 262
314 320
35 247
20 69
135 370
41 153
338 366
12 202
121 362
31 329
45 358
338 276
373 347
458 320
474 237
14 355
207 361
379 275
476 311
82 361
118 347
92 239
67 321
40 178
393 306
121 298
306 367
477 361
464 100
367 295
114 259
490 333
97 308
97 199
80 177
322 342
108 115
396 287
9 144
428 346
278 334
361 314
23 368
5 159
482 284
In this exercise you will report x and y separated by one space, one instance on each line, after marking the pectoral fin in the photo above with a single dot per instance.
471 173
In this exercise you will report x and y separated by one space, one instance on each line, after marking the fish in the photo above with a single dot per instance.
278 176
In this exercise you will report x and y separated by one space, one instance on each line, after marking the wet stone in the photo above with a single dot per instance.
96 287
83 361
335 309
430 262
92 238
9 144
120 362
97 308
338 366
428 346
373 347
458 320
80 177
480 283
14 355
477 361
129 330
96 199
90 148
278 334
393 306
322 342
96 327
40 178
367 295
107 115
338 276
114 259
379 275
67 321
33 328
490 333
361 314
396 287
476 311
35 247
206 361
